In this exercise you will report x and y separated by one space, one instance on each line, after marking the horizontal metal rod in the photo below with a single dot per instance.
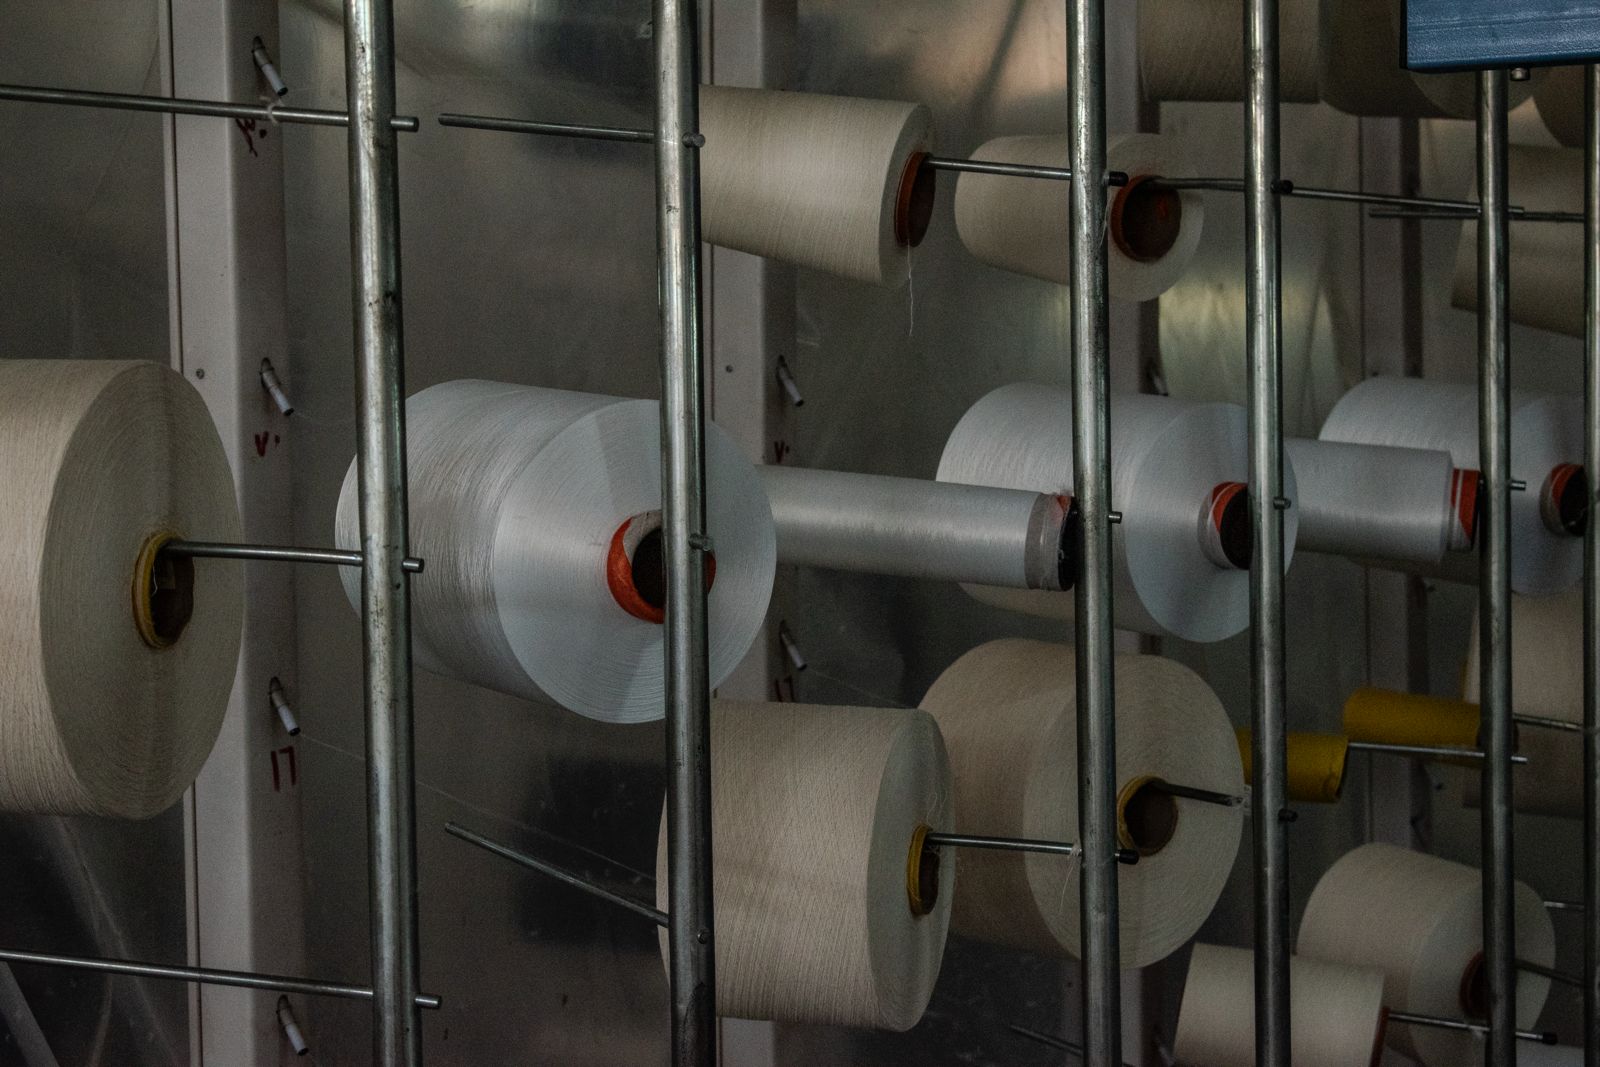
1543 723
549 129
202 975
1559 977
1189 792
1019 844
1563 905
1407 206
275 554
1447 215
1049 1040
171 105
560 874
1008 170
1425 751
1542 1037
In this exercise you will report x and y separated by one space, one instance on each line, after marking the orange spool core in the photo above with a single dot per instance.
1146 219
1475 989
636 568
914 205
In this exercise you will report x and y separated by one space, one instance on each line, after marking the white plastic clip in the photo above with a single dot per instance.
790 648
791 387
274 387
291 1027
269 71
280 704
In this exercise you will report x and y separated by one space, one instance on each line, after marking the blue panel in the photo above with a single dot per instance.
1447 34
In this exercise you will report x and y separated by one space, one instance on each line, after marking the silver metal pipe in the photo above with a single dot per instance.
276 554
171 105
1018 844
1539 722
1426 751
1540 1037
1269 684
1565 905
203 975
560 874
939 531
585 131
1091 452
692 953
385 590
1591 580
1559 977
1494 586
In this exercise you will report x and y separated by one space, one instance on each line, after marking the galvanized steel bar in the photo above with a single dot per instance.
1494 586
1091 415
1591 579
201 975
169 105
557 872
385 592
1264 309
275 554
691 966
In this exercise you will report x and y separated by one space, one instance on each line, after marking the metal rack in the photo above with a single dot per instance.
373 125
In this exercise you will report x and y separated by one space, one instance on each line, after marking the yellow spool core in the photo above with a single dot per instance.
163 592
1315 765
1146 817
922 873
1391 718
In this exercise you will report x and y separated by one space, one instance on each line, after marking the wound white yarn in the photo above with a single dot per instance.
1008 712
98 459
813 814
516 492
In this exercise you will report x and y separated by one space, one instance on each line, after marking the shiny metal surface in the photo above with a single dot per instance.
1269 674
374 167
176 106
1494 587
1591 579
915 528
277 554
1091 458
83 276
691 940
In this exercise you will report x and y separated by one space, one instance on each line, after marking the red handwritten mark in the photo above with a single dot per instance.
277 777
261 443
780 451
247 129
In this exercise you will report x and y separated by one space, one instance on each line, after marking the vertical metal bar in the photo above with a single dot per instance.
1591 581
1097 801
1269 684
693 950
1494 587
385 594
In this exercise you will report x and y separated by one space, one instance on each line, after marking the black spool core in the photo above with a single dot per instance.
1475 989
928 878
1572 506
1146 219
1233 531
1068 554
171 596
1149 818
649 568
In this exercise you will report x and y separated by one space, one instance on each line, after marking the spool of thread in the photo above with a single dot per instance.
917 529
1545 290
118 661
1008 712
834 183
1401 507
1546 442
829 909
538 513
1546 681
1336 1014
1559 99
1193 50
1419 919
1177 476
1020 224
1315 767
1360 71
1386 717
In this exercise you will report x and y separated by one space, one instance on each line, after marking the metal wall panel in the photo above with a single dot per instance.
84 276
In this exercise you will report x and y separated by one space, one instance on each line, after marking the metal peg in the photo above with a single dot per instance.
791 649
269 70
791 388
274 387
280 704
291 1027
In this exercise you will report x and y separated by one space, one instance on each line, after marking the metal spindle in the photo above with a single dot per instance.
1269 684
1591 580
385 592
677 137
1091 414
1494 587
